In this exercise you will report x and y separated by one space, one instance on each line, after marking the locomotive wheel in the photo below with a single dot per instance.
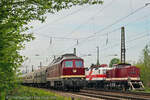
123 88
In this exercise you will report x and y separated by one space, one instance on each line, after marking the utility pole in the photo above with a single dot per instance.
40 64
74 51
97 55
123 50
26 69
54 57
32 68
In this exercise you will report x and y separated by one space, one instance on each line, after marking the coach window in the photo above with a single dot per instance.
68 64
78 63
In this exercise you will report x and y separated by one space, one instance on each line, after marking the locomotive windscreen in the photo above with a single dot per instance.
78 63
68 64
73 63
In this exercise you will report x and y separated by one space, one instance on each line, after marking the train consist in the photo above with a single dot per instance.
65 72
121 76
68 73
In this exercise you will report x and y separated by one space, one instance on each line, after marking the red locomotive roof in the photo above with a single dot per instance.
64 57
121 65
103 65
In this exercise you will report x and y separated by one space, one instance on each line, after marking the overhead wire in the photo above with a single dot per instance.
112 25
114 30
112 1
114 45
61 18
117 21
109 25
60 38
80 24
117 44
132 40
129 41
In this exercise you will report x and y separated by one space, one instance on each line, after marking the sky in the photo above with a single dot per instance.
91 26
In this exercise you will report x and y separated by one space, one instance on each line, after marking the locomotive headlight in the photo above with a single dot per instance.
74 70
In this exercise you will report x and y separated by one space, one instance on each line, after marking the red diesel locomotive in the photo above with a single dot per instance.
124 76
66 72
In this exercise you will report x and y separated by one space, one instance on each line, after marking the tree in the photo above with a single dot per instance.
144 65
14 18
114 61
146 56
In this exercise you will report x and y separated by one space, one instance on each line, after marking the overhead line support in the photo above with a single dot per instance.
123 50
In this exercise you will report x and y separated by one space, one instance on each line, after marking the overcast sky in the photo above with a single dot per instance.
101 23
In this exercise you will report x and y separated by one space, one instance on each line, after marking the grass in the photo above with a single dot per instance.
146 90
30 93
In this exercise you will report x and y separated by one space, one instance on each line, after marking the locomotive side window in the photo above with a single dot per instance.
68 64
104 71
99 71
78 63
86 69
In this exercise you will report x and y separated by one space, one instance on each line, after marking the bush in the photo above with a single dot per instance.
144 65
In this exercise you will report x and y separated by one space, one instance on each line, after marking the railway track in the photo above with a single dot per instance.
115 95
99 96
91 94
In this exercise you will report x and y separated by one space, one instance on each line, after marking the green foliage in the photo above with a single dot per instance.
114 61
147 89
14 18
27 93
144 65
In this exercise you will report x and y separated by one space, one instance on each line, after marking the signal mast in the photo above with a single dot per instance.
123 49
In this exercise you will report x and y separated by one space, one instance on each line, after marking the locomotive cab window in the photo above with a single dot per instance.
78 63
68 64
